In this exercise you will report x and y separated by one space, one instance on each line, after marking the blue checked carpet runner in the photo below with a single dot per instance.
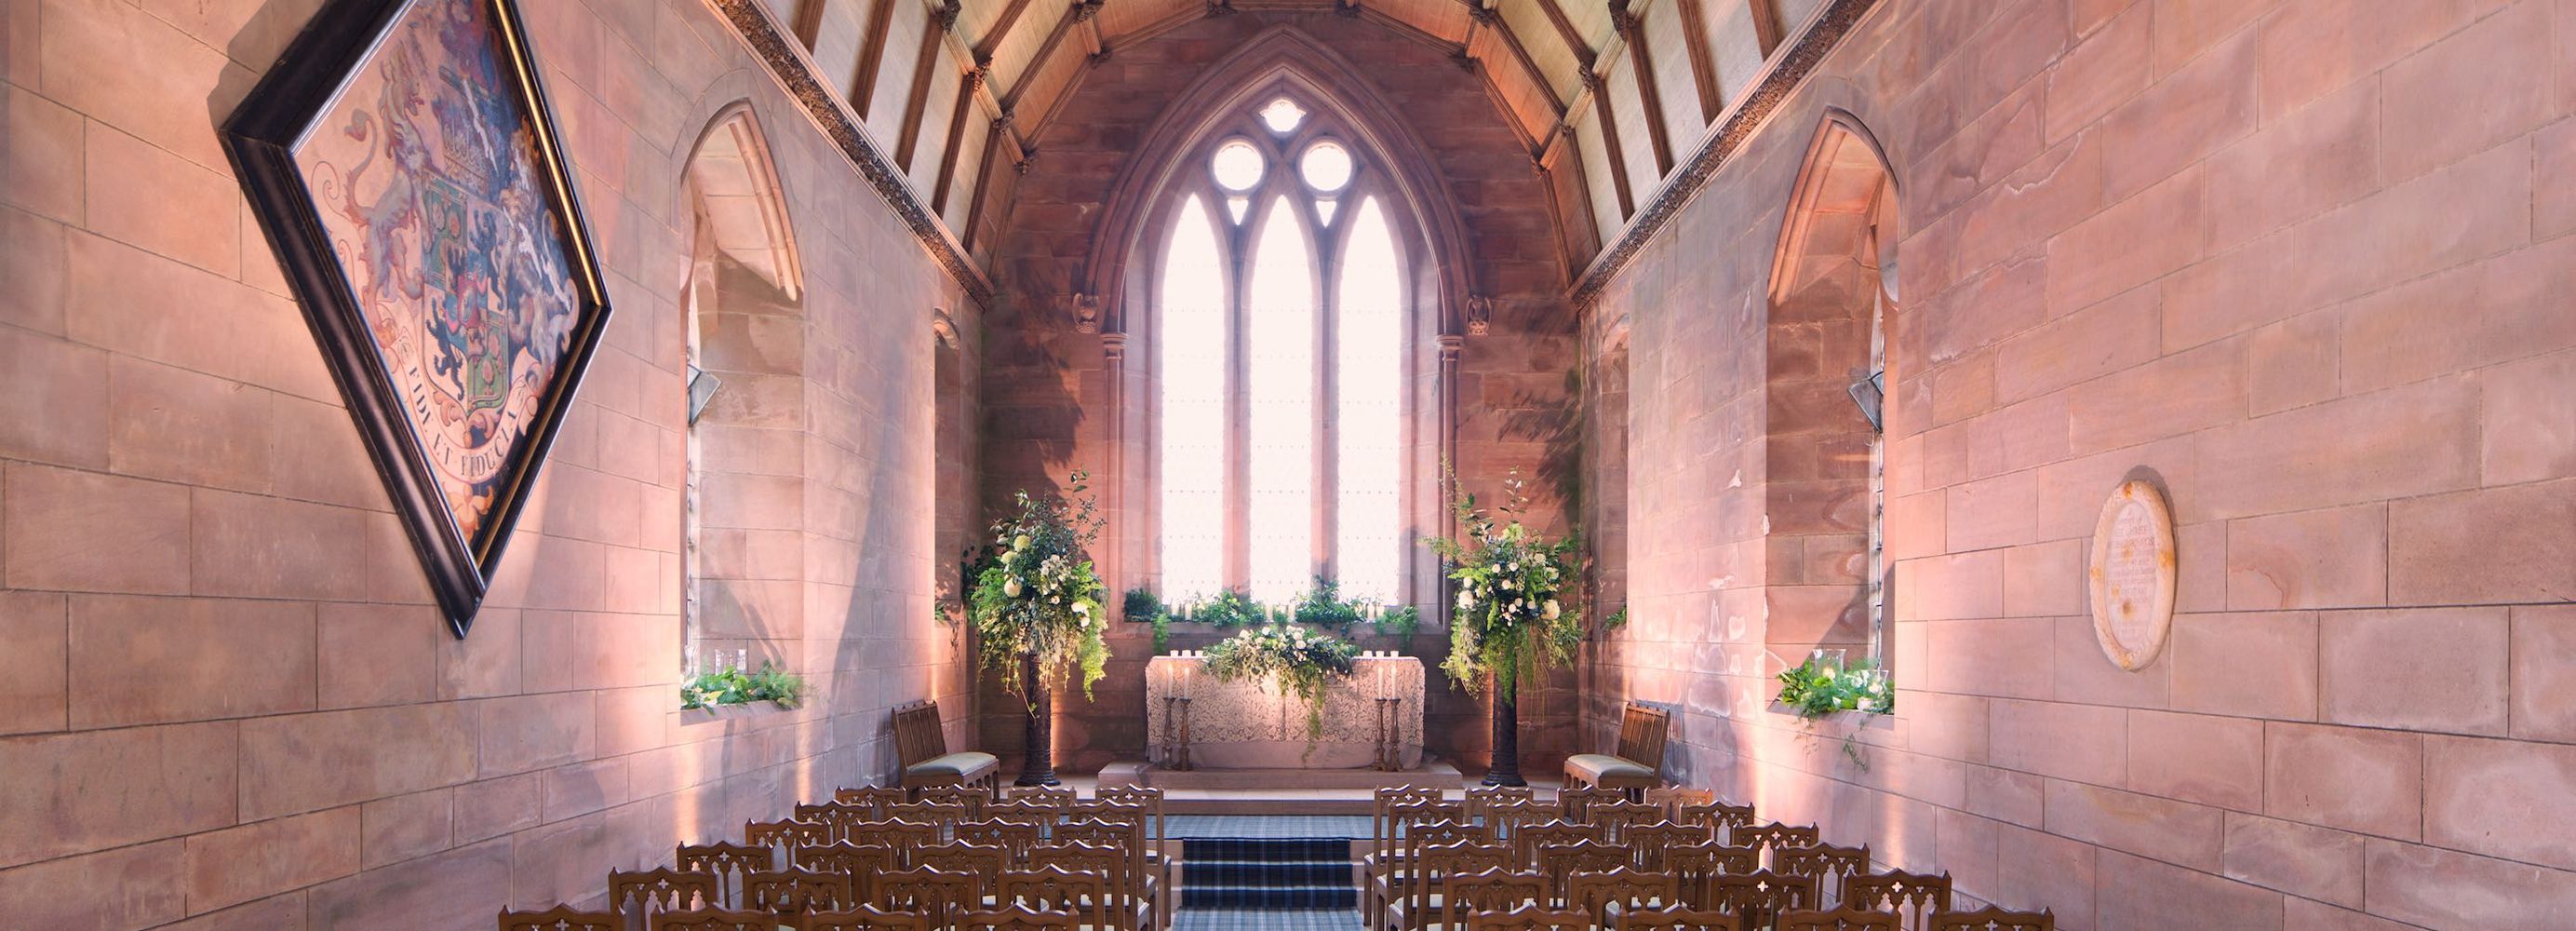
1268 874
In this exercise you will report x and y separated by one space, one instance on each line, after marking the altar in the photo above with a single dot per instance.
1254 724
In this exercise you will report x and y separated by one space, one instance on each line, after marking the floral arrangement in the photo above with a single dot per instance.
1038 596
1815 689
1291 657
732 686
1512 589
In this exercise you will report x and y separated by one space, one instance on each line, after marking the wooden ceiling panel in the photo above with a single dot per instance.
1129 19
1530 25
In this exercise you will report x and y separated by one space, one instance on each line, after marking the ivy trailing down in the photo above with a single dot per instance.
1293 658
732 686
1037 594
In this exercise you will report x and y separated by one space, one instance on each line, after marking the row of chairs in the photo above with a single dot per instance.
1437 863
942 857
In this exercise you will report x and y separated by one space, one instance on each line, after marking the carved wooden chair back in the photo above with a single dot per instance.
1722 818
972 798
1490 891
1994 919
1015 918
835 815
858 860
727 862
1042 811
789 834
1430 867
1618 817
1088 896
1680 918
873 798
918 737
1693 865
1530 837
1101 859
1572 804
1642 732
1775 837
644 892
561 918
863 918
1759 896
983 861
1531 918
1563 860
1845 918
1508 816
1147 798
1829 865
1915 896
1624 888
928 811
1648 843
926 891
1014 836
788 892
1673 798
1480 798
715 919
1056 797
901 835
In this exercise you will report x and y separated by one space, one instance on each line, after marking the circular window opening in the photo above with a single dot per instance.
1326 166
1282 116
1237 166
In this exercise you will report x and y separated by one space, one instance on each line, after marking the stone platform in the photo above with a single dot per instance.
1277 791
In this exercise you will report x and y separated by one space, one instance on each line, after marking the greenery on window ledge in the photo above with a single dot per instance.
1816 690
732 686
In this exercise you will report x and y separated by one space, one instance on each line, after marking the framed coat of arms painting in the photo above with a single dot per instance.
401 158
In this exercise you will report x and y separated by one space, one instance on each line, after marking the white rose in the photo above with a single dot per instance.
1553 609
1020 542
1011 587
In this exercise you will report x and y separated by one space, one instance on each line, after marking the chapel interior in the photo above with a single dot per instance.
1191 465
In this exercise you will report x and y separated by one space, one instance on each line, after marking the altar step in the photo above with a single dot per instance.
1277 791
1267 873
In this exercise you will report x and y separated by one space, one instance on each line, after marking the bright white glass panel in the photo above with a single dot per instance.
1280 366
1193 407
1326 165
1369 361
1282 116
1237 166
1324 209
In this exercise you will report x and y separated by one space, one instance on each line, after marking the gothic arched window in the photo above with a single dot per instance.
1281 361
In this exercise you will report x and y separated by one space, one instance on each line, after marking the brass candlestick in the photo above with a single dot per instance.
1183 763
1390 735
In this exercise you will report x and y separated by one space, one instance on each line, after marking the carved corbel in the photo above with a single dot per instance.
1480 315
1086 312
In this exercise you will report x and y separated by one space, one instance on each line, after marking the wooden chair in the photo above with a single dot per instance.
845 857
1994 919
1617 817
1648 843
1530 918
646 892
970 797
1564 860
936 894
1775 837
1138 895
1572 803
1757 897
863 918
928 811
561 918
1910 895
1619 892
872 798
1428 872
1721 818
727 862
1056 797
980 860
921 745
1014 836
789 834
787 892
1490 891
1674 798
1530 837
1830 866
1089 897
1694 865
1840 919
1015 918
1637 764
1680 918
715 919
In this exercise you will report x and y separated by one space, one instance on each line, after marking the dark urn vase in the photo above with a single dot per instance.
1037 767
1506 770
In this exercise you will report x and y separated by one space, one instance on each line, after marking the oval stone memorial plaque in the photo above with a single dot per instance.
2133 574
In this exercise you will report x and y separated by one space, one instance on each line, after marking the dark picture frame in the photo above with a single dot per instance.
458 310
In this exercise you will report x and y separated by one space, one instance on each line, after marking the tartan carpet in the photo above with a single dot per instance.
1267 874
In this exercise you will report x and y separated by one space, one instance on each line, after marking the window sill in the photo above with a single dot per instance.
745 711
1856 720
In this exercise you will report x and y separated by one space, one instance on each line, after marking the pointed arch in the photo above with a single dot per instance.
1284 59
732 184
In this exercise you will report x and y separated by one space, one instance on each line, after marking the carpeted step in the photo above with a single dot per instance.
1267 873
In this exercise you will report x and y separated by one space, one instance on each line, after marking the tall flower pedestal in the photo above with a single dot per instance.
1506 770
1037 766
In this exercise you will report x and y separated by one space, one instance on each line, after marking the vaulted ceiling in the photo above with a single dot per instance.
1619 93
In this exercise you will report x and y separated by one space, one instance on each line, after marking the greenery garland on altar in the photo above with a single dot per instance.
1038 595
1513 589
1293 658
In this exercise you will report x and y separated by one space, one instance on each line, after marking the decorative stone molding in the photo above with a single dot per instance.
1086 312
1113 347
1792 67
1480 315
944 327
787 61
1450 345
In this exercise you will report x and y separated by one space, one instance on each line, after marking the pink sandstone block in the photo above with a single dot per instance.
2005 795
2187 28
2138 894
2302 860
2175 395
2106 68
1990 657
117 890
2057 189
31 272
2082 345
2544 673
1965 845
254 861
2387 339
306 762
377 654
526 732
2501 798
406 826
36 625
91 790
41 171
2342 777
2035 869
2553 206
2492 62
2111 253
2044 579
2439 888
2080 743
54 408
2311 47
2081 673
116 298
277 913
2333 558
259 547
2335 143
162 660
493 807
2257 665
2164 829
2433 669
2443 549
418 893
2202 759
187 213
2293 363
2414 440
2181 117
83 531
315 456
2528 427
